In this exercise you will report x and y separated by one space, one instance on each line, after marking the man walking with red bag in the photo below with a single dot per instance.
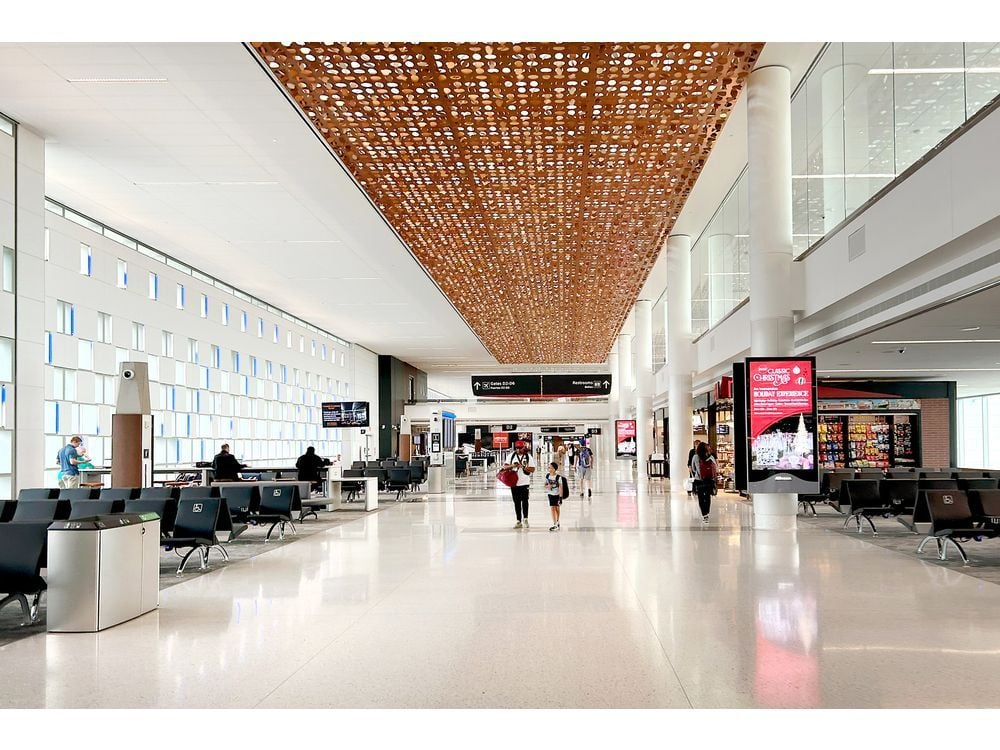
522 462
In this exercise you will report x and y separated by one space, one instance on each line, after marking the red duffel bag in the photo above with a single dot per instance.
507 477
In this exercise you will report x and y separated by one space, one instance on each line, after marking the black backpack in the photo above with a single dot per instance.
565 487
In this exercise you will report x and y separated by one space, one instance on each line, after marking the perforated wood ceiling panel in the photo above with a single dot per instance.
535 182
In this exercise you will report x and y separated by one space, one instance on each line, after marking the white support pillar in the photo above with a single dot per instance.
643 345
770 189
625 381
680 356
615 396
29 380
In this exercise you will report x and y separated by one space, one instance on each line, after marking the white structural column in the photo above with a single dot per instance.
29 379
770 188
680 355
643 346
614 397
625 381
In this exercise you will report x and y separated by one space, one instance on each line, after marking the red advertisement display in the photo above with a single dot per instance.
625 446
781 407
501 440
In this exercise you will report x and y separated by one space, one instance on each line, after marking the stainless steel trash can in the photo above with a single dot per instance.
102 571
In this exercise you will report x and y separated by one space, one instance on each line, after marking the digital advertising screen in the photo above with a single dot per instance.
781 424
345 414
625 446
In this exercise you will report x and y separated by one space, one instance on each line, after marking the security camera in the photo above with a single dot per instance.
901 349
128 374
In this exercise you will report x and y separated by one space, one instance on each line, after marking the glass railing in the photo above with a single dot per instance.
864 114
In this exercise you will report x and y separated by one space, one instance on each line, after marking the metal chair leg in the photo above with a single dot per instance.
184 560
961 551
924 542
869 520
225 555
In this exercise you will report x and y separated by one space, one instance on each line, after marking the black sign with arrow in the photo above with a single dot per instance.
506 385
576 385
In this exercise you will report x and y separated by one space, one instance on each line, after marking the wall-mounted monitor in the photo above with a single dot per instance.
345 414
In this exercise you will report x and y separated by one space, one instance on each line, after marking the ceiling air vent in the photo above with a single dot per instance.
855 244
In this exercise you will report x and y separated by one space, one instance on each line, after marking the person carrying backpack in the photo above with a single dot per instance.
558 490
584 463
704 470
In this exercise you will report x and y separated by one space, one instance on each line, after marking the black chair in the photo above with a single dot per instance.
899 494
952 520
977 484
226 523
356 465
276 505
380 474
243 501
194 530
876 474
991 474
934 474
119 493
85 508
398 481
353 488
165 508
985 504
36 511
967 474
7 508
372 465
39 493
80 493
159 493
416 476
22 552
832 481
864 500
900 472
938 484
188 493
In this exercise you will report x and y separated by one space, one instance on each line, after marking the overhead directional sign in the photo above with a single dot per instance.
506 385
576 385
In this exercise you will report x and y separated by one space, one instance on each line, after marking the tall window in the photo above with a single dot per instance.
235 358
8 269
260 328
225 313
65 318
275 333
154 286
122 281
253 366
167 344
138 337
104 328
180 296
216 357
86 260
193 350
204 305
243 321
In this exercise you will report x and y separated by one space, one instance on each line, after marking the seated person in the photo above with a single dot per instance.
309 464
225 466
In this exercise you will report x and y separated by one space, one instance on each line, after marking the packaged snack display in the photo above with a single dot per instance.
832 454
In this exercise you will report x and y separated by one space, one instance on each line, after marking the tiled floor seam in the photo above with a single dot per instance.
341 634
652 627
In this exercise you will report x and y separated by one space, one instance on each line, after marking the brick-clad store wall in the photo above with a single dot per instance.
935 431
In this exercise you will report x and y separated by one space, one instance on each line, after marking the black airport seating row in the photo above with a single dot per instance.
954 516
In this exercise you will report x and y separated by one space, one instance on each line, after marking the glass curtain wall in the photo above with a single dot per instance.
979 432
864 114
8 281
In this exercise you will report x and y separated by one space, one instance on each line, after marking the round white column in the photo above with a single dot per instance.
625 381
769 150
643 346
615 396
680 356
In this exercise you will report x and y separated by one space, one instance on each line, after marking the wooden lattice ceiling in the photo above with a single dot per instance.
535 182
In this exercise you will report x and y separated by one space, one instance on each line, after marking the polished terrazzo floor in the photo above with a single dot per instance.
635 603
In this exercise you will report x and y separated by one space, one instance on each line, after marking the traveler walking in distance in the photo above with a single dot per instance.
705 470
584 463
521 460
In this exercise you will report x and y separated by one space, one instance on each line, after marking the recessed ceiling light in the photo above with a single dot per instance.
973 328
203 182
942 341
932 71
107 79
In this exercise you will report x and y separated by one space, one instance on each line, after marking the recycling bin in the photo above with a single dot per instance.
102 571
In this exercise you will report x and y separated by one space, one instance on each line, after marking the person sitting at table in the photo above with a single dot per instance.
225 466
309 464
